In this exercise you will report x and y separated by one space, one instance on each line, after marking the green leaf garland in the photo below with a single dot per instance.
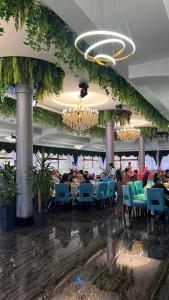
45 30
44 77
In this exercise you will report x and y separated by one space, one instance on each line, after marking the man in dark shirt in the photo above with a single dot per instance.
158 184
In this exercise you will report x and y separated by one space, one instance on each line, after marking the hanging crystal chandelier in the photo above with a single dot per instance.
80 118
128 134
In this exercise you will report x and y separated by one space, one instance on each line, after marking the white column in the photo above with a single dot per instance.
141 154
109 143
24 152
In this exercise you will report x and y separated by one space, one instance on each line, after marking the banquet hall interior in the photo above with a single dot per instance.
84 149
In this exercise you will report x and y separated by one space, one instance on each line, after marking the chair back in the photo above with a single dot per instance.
106 179
139 187
62 192
103 187
132 188
150 182
111 188
155 199
127 199
86 192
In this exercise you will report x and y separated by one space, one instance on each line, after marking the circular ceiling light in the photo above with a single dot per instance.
71 99
92 52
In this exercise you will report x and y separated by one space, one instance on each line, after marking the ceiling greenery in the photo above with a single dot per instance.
42 76
45 30
53 119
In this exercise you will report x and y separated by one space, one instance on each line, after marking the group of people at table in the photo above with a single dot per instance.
76 177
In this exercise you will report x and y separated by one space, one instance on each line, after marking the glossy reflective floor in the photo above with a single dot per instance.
34 260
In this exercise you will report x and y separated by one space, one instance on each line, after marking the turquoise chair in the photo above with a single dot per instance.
85 194
111 190
101 197
139 187
62 195
155 199
133 188
150 182
131 200
134 193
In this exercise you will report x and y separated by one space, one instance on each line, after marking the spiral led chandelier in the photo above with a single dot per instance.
128 134
97 52
80 118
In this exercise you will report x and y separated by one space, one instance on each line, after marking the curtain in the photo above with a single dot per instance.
164 165
70 160
150 162
80 162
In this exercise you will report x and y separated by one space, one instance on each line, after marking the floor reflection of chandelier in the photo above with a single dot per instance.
128 134
80 118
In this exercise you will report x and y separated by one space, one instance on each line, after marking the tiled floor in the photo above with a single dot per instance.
33 260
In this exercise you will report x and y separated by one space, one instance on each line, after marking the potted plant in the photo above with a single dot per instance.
8 193
42 181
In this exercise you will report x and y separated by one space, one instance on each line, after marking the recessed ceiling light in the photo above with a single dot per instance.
78 146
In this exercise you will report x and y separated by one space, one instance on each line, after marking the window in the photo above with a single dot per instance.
7 157
90 162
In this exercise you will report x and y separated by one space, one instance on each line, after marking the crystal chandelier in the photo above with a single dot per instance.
80 118
128 134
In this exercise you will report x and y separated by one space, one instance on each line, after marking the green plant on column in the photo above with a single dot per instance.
8 193
42 181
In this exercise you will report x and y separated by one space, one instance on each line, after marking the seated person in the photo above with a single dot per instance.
84 179
145 176
134 176
158 184
125 176
167 175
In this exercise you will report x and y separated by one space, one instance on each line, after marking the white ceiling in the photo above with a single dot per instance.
147 70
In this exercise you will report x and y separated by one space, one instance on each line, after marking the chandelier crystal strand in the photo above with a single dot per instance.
128 134
80 118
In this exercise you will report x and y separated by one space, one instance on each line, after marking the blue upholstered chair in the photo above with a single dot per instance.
131 200
139 187
101 197
62 195
85 194
155 199
106 179
132 188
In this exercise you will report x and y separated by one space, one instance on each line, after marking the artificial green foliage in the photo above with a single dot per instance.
120 117
41 75
45 30
53 119
42 180
8 188
149 132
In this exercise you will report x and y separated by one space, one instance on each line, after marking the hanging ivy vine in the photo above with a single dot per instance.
53 119
45 30
41 75
119 117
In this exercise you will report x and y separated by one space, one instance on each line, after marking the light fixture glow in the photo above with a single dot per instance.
128 134
128 46
100 58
